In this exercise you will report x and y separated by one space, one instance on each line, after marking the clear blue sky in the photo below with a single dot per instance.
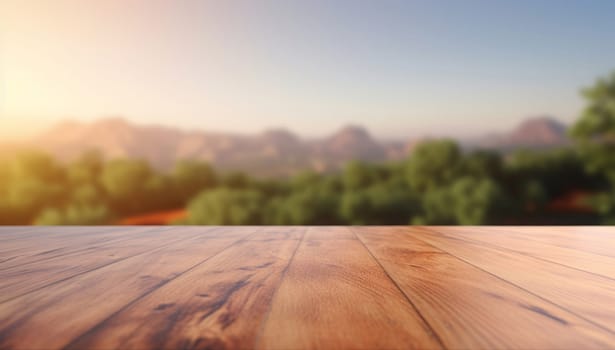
401 68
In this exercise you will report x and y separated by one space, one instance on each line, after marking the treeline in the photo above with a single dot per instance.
437 184
37 189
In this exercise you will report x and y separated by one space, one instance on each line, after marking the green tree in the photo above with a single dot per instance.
306 206
305 179
534 197
467 201
478 201
594 133
37 165
356 207
380 204
433 164
86 169
236 180
225 206
595 130
557 171
5 175
191 177
128 184
87 194
5 183
482 164
158 193
75 214
35 181
358 175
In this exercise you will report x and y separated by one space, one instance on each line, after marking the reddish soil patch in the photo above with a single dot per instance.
572 202
158 218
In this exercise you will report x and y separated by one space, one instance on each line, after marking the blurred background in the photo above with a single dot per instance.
307 112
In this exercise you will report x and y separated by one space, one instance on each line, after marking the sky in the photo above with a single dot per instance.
399 68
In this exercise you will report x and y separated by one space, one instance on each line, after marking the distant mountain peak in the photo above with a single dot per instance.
354 130
541 130
535 132
350 135
354 142
544 121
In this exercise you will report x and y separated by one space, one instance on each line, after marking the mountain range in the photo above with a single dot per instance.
276 152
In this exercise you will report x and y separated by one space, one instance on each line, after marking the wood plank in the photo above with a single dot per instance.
335 295
321 233
67 310
218 304
598 240
469 308
518 242
15 231
58 241
217 287
25 278
42 239
56 232
584 294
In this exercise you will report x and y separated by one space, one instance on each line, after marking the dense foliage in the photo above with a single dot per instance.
438 184
595 134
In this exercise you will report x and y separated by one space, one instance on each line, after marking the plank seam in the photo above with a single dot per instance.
531 255
510 282
90 270
406 296
103 243
268 313
34 231
100 324
523 234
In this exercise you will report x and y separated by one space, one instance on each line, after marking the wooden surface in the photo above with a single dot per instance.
307 287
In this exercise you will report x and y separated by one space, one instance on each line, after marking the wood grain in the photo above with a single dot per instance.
591 239
521 242
33 247
587 295
469 308
120 283
219 304
336 295
16 280
598 240
307 287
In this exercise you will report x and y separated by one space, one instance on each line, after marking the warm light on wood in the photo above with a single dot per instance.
307 287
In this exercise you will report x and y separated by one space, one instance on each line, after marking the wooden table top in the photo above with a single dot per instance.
307 287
